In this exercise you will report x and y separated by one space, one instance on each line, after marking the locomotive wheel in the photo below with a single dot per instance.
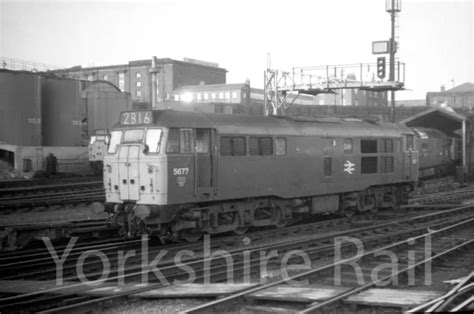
348 211
281 221
241 230
191 236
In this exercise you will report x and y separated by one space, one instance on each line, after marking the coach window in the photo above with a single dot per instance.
153 140
347 146
327 167
280 146
203 140
115 137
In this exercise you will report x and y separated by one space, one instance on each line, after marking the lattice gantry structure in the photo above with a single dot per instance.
324 79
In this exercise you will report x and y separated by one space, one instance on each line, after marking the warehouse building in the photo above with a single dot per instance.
138 77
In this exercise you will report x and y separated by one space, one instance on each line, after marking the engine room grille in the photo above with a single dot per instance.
368 165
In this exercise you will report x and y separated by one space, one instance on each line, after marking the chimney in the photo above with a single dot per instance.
443 88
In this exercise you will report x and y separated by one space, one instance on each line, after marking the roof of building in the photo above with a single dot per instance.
441 119
465 87
135 63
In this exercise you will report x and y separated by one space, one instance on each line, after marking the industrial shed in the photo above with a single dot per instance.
447 121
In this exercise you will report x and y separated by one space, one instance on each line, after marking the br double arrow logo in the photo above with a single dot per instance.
349 167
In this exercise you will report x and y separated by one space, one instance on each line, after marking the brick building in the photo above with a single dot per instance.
461 96
135 77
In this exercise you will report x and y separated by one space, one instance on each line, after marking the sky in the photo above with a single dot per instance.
436 38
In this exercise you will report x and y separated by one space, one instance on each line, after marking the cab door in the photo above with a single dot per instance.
128 172
410 158
204 163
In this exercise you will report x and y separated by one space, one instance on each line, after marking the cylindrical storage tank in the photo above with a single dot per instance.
61 112
20 108
104 106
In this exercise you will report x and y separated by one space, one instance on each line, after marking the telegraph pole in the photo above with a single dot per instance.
392 7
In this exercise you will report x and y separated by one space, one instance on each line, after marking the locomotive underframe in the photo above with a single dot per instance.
189 221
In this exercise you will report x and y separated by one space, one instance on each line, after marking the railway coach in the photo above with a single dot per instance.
181 174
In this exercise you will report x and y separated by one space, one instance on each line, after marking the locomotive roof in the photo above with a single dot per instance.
276 125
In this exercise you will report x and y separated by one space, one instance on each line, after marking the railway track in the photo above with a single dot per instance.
47 195
319 248
4 184
446 197
348 294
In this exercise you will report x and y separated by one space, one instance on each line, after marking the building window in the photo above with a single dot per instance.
206 96
105 77
139 84
198 96
347 146
213 96
221 95
234 94
138 93
138 75
227 95
90 77
280 145
327 167
121 82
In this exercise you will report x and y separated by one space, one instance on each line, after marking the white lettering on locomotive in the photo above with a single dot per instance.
180 171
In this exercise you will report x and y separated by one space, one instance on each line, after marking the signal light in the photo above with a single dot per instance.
381 67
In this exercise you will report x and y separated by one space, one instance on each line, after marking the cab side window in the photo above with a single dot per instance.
408 142
173 141
180 141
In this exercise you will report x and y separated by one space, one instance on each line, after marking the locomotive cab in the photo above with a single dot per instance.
149 167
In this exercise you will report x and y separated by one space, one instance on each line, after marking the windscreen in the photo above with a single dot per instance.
93 139
153 140
133 136
115 137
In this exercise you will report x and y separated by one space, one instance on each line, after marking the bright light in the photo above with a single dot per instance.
187 97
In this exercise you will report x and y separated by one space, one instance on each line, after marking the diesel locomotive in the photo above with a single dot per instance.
178 175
